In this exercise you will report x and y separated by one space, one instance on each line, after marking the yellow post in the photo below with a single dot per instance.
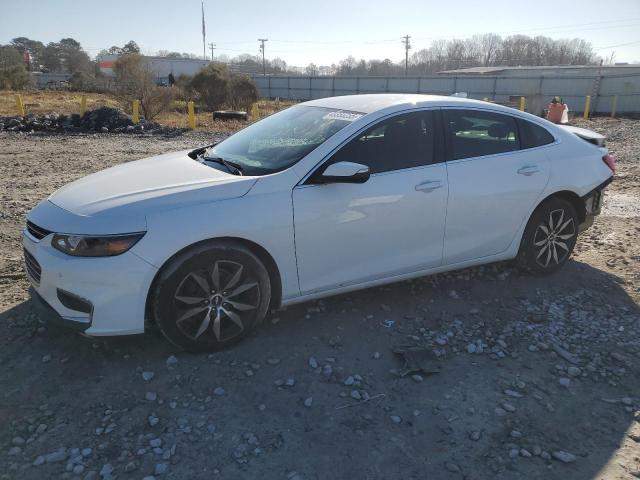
135 115
83 105
20 105
587 105
254 112
192 115
523 102
614 106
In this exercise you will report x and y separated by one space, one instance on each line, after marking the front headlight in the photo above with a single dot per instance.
95 246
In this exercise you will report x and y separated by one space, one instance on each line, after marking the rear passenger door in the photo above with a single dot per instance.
495 178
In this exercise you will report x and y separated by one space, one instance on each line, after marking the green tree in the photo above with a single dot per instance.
211 85
82 81
33 47
66 55
51 61
13 73
73 57
130 47
242 92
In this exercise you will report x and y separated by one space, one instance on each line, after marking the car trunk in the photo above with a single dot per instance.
586 135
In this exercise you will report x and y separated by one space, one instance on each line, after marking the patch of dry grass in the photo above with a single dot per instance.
40 102
205 121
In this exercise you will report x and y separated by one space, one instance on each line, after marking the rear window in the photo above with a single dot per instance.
532 135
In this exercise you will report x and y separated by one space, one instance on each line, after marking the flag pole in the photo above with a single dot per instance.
204 36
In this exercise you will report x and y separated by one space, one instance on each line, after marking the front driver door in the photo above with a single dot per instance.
394 223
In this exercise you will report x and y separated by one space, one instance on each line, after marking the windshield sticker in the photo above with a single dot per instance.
342 115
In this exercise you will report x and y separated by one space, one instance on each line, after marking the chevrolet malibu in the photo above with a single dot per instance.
325 197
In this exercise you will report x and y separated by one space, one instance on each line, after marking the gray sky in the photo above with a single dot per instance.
320 32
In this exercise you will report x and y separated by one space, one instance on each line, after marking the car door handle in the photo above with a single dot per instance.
528 170
429 186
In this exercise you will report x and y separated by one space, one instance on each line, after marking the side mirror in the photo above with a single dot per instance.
345 172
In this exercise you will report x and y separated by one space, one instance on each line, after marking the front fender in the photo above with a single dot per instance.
265 219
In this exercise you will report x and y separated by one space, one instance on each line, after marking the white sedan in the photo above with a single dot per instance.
325 197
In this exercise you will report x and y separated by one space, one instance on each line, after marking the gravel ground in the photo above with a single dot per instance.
538 376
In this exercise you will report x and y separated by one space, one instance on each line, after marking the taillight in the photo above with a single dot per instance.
610 160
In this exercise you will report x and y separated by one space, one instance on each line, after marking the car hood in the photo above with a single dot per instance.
140 187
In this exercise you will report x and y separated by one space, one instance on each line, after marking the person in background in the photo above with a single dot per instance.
558 111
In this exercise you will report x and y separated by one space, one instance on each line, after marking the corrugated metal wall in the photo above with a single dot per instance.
41 80
573 89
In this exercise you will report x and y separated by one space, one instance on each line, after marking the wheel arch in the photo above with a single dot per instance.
263 255
573 198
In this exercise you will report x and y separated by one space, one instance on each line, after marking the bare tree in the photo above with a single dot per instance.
311 70
489 46
136 82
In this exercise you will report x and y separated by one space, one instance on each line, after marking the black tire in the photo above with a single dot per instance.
549 237
230 115
235 301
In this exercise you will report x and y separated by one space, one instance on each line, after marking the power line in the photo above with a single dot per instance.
324 45
619 45
212 47
554 28
558 28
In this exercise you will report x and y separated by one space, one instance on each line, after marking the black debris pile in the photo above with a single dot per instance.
101 120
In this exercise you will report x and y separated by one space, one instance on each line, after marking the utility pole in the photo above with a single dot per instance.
212 47
407 46
262 40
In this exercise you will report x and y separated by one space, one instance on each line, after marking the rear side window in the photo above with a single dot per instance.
532 135
473 133
403 141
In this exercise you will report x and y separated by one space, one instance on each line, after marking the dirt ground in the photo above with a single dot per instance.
538 379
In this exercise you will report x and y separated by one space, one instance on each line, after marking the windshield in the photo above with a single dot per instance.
282 139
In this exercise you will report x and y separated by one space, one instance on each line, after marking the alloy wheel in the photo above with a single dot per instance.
552 237
214 304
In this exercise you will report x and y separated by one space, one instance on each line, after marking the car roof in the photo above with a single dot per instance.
369 103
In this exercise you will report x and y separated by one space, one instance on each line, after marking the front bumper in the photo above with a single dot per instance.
112 290
49 314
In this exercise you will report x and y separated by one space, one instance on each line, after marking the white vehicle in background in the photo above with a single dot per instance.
325 197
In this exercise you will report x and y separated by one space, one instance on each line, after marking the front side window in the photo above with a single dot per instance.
473 133
282 139
403 141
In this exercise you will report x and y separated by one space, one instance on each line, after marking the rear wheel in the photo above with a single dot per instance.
549 237
211 296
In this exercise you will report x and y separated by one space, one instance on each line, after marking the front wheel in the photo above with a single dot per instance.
211 296
549 237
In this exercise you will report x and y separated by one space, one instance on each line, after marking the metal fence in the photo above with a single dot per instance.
49 79
623 91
